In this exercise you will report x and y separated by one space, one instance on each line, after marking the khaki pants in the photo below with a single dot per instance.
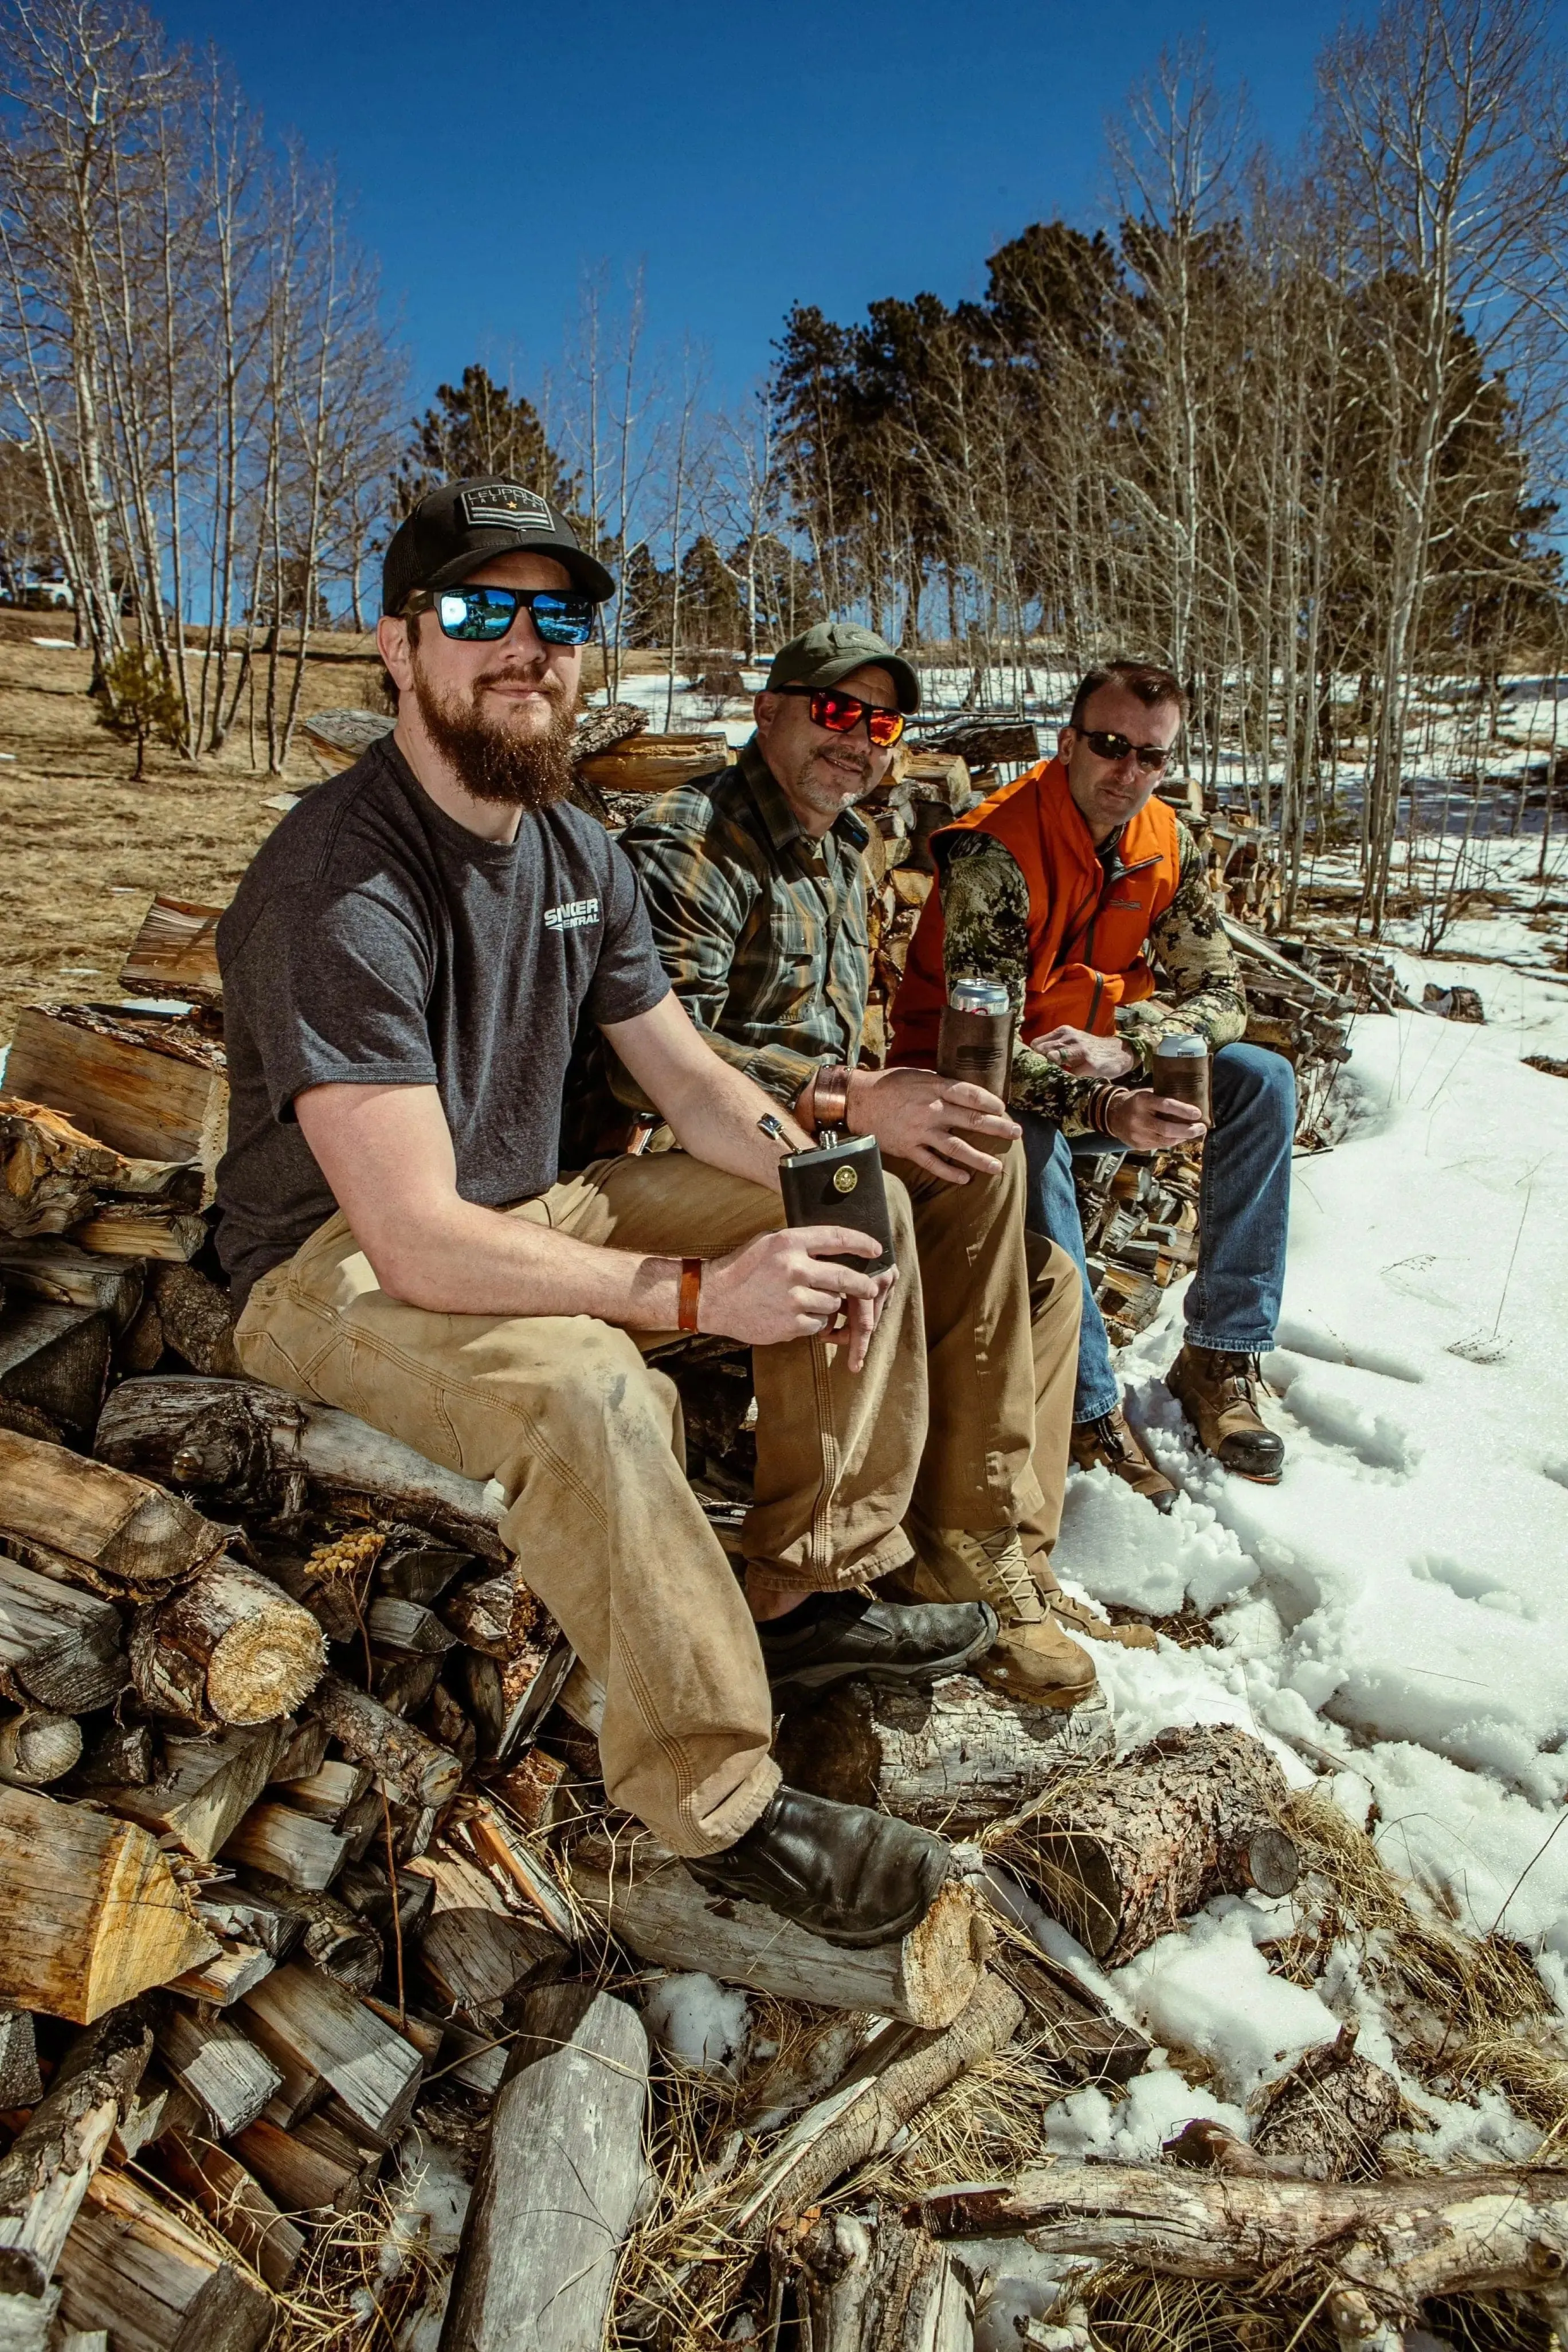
585 1440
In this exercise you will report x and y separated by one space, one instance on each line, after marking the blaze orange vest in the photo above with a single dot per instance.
1087 924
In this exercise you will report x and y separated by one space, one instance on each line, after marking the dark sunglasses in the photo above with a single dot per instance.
482 615
841 714
1151 756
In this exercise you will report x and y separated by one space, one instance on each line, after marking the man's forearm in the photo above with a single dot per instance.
718 1122
461 1259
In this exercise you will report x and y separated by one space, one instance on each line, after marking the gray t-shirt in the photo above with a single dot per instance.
375 941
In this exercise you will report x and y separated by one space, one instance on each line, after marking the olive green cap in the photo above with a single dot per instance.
824 655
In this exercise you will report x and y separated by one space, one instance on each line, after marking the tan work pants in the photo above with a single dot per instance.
585 1440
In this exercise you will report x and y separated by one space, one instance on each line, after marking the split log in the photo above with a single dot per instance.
311 2028
369 1894
558 2183
257 1913
864 2279
949 1759
306 1752
497 1848
143 1103
58 1647
1120 1859
238 2207
134 1533
45 2173
219 2066
401 1683
55 1358
145 2114
365 1822
141 1346
655 764
394 1624
287 1845
174 954
130 2266
612 722
121 1755
58 1270
221 1981
1076 2035
410 1568
205 1786
654 1906
37 1746
328 1792
411 1768
508 1702
449 1727
263 1452
142 1229
1398 2241
329 1581
535 1790
477 1961
50 1173
196 1318
326 1932
314 2168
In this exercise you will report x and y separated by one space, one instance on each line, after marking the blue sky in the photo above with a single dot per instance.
751 158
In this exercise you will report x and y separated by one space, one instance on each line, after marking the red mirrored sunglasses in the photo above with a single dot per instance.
841 714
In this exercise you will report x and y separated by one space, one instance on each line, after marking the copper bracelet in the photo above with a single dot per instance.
830 1094
690 1291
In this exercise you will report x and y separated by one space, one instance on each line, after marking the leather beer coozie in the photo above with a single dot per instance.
840 1183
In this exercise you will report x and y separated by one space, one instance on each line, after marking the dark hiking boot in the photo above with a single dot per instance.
1108 1442
851 1876
831 1636
1218 1393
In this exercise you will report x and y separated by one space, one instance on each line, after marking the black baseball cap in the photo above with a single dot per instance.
824 655
454 530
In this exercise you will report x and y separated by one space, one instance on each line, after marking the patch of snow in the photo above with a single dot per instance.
1208 1989
699 2023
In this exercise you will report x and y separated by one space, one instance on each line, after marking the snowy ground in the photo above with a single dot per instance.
1393 1618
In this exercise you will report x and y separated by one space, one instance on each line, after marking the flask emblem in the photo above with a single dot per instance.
844 1179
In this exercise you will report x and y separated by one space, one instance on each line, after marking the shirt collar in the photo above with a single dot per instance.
782 824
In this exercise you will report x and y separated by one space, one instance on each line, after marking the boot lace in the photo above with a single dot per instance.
997 1564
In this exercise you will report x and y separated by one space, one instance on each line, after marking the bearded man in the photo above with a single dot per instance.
405 965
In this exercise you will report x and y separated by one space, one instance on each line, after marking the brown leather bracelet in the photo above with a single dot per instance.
830 1094
690 1291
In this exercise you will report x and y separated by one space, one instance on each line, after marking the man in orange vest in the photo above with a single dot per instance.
1068 886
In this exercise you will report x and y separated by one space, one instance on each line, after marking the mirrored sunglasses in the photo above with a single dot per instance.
841 714
482 615
1149 756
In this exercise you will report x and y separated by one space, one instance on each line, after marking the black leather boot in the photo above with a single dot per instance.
831 1636
851 1876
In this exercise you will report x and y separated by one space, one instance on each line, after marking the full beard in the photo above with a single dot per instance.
492 760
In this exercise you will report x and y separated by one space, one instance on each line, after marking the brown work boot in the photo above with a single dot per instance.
1218 1393
1108 1442
1032 1658
1082 1618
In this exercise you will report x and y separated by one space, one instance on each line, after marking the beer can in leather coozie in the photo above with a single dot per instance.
974 1043
1182 1072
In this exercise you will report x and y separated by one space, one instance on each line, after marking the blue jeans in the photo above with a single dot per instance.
1244 1210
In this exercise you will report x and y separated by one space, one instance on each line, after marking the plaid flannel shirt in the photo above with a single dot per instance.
762 930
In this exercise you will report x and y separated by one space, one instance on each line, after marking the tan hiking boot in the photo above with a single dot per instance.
1218 1393
1108 1442
1032 1659
1082 1618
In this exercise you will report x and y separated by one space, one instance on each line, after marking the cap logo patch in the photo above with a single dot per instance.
506 505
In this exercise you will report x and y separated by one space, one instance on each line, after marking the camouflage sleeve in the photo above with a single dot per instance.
1194 957
985 935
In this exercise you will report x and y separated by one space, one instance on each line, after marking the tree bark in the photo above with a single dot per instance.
870 2284
260 1450
45 2173
411 1768
949 1759
558 2183
1121 1860
1399 2242
652 1905
196 1318
227 1648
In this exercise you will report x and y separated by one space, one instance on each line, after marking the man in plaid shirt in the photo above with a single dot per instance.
754 881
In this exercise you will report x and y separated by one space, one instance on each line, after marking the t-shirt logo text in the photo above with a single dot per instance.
577 915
